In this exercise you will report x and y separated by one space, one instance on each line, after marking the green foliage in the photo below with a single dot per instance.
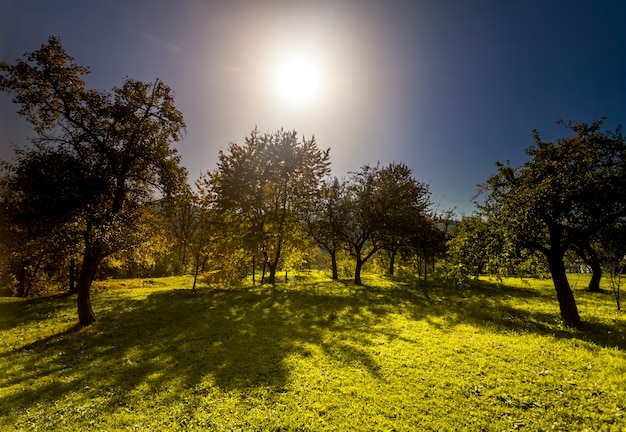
471 246
99 157
383 208
561 198
262 188
313 355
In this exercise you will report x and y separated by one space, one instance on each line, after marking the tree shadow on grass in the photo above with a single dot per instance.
236 340
247 339
17 311
522 310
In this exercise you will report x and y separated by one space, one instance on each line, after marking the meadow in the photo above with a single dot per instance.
314 355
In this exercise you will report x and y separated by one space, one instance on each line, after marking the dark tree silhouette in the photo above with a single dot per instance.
562 197
324 221
381 208
103 154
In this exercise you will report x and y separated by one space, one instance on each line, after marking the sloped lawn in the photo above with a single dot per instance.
313 355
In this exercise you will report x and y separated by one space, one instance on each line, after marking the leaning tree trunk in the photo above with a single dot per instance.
83 287
565 296
357 270
596 276
590 257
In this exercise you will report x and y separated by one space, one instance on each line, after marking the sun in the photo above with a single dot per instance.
298 80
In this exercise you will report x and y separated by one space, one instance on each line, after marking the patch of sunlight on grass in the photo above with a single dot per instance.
313 354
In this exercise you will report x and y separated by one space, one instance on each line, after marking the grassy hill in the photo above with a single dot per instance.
313 355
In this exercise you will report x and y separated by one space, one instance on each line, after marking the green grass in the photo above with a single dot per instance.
313 355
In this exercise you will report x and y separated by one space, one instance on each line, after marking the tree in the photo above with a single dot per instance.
324 223
263 188
104 155
37 233
591 256
603 252
427 242
614 251
565 194
403 203
472 245
180 216
381 208
360 218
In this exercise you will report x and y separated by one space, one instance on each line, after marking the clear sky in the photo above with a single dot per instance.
447 86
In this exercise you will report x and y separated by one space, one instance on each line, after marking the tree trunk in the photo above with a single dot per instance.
392 262
253 269
273 265
590 257
565 296
357 270
72 276
272 275
596 276
418 267
333 264
85 278
198 265
264 268
21 278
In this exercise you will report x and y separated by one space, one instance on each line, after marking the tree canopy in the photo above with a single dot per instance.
101 183
263 187
381 208
562 197
98 157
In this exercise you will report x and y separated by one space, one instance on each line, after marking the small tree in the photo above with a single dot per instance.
381 208
324 223
360 218
403 203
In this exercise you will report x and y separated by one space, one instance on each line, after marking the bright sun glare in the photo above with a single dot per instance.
298 80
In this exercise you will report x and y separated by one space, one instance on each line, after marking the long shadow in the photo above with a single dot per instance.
15 312
501 307
245 339
235 340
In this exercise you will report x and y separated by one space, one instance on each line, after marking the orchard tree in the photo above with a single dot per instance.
324 221
37 230
474 246
380 209
563 196
180 215
590 252
361 218
403 203
263 188
104 155
427 243
600 252
614 251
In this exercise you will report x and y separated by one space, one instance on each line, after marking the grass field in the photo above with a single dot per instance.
313 355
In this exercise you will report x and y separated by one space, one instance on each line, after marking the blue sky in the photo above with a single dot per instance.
448 87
